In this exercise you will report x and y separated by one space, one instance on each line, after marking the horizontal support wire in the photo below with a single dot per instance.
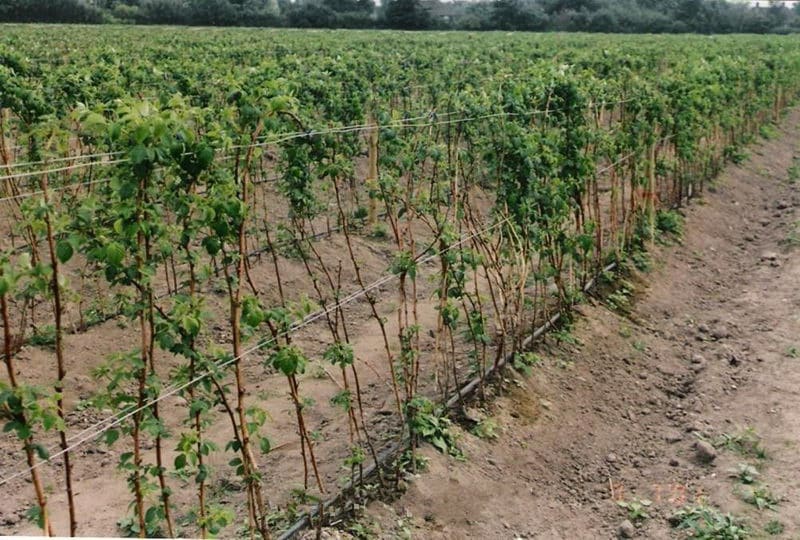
97 429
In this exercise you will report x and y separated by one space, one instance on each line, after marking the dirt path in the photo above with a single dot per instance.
709 348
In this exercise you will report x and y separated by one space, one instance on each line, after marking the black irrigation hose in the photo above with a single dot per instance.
386 456
465 391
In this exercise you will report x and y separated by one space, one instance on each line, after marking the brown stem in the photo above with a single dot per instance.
41 499
61 366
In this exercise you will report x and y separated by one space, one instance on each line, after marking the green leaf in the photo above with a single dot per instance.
64 251
151 516
35 515
265 445
202 474
139 155
180 461
111 436
212 245
289 360
41 451
115 254
23 431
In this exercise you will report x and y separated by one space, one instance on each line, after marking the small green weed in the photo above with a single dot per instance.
768 131
620 299
129 525
670 223
283 517
486 429
412 461
761 497
735 154
44 336
793 172
359 216
745 473
379 232
793 352
362 531
792 239
642 261
774 528
745 443
523 362
564 335
430 424
704 522
637 509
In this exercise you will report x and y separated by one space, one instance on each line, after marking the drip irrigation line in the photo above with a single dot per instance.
97 429
464 392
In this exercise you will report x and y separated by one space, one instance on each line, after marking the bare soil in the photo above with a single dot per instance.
708 348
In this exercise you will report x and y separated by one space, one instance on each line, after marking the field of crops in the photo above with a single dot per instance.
240 267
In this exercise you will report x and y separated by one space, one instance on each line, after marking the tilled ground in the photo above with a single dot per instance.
708 350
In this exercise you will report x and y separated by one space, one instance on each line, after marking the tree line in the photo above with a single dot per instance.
613 16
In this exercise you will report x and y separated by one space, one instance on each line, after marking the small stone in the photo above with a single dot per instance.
695 426
626 529
674 462
720 332
611 458
769 256
706 453
703 328
697 368
474 415
673 437
698 359
782 205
